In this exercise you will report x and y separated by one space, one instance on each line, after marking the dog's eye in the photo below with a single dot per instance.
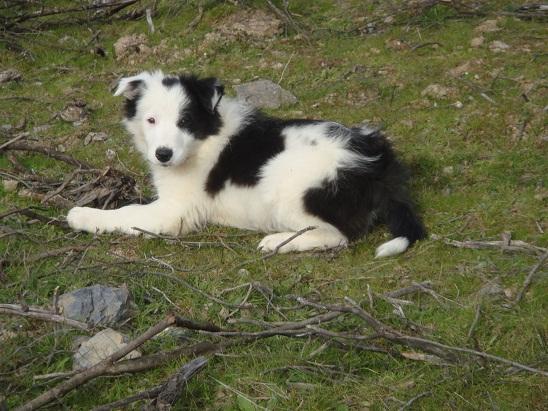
151 120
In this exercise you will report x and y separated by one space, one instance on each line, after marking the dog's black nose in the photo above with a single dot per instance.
164 154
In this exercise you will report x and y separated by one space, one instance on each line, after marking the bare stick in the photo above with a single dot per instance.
415 288
196 20
415 398
147 362
24 146
433 347
512 245
54 11
40 314
529 278
120 404
97 370
194 325
55 253
174 386
18 137
201 292
166 394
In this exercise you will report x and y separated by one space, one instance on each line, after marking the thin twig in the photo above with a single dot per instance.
288 240
165 394
512 245
412 400
24 146
196 20
529 278
41 314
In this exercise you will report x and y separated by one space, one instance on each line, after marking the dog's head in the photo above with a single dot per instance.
170 115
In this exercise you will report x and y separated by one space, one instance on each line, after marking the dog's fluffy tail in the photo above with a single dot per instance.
405 226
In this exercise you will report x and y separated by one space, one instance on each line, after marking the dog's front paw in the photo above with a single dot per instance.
272 243
84 219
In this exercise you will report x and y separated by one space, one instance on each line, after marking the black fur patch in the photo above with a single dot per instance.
248 151
200 117
362 196
170 81
130 107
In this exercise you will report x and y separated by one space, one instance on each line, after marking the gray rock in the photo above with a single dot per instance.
498 46
96 305
264 94
9 75
100 346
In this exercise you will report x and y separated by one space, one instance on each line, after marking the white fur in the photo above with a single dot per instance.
393 247
273 205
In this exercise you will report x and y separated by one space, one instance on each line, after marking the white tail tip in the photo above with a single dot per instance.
396 246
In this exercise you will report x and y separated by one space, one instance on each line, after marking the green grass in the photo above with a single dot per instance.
497 184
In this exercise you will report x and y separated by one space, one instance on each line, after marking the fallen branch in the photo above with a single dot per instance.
166 394
54 253
415 288
529 278
96 370
415 398
511 245
41 314
26 146
386 332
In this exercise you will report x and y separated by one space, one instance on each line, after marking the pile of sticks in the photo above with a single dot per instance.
374 335
85 185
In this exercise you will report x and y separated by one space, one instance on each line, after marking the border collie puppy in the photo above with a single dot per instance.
215 159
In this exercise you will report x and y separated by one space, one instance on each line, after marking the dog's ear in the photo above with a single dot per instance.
129 86
207 91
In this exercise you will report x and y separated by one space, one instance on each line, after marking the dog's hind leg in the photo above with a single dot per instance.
315 239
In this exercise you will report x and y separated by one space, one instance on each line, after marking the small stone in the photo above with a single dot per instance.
498 46
110 154
242 272
396 44
438 91
131 45
74 112
9 75
97 305
458 104
93 136
264 94
256 24
41 129
510 293
389 20
101 346
477 41
449 170
488 26
10 185
464 68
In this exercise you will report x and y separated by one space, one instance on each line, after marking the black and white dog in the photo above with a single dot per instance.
215 159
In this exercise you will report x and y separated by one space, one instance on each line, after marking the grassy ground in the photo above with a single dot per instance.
479 170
